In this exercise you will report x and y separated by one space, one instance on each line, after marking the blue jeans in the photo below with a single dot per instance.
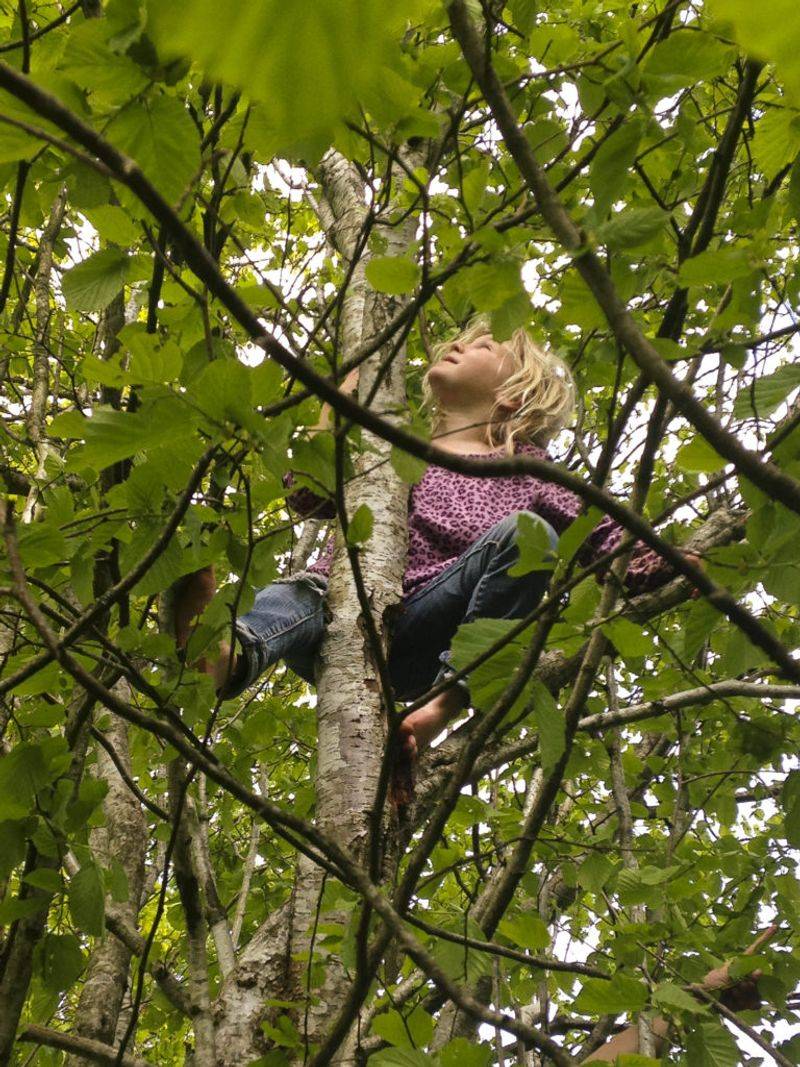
288 618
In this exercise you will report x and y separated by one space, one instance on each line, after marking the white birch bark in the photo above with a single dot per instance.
351 723
124 839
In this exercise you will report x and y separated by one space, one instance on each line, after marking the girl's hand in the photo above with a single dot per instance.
742 993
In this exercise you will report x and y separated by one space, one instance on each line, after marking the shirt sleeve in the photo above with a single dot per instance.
647 570
307 503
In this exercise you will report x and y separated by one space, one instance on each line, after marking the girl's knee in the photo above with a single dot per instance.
510 523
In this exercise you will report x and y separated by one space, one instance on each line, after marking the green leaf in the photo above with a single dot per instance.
610 168
161 137
536 548
686 57
673 998
328 52
92 65
400 1057
87 900
93 284
767 393
790 801
13 835
60 961
526 930
488 681
710 1045
223 391
716 266
463 1053
44 878
594 872
408 468
699 456
775 39
113 435
621 994
392 274
629 639
406 1032
633 227
360 529
552 727
23 772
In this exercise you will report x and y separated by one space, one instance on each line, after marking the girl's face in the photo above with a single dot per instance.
471 373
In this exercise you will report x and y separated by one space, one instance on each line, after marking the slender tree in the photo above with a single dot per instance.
218 217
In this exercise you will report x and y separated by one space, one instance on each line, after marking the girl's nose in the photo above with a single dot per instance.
458 346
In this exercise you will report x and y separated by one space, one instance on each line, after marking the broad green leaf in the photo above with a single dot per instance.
23 772
686 57
610 168
400 1057
578 306
93 284
699 456
44 878
767 393
710 1045
552 727
621 994
13 834
113 435
92 65
629 639
716 267
673 998
408 468
87 900
60 960
360 529
463 1053
628 229
392 274
775 38
41 543
777 140
790 801
536 549
488 681
595 871
526 930
223 391
114 224
161 137
487 286
326 51
407 1031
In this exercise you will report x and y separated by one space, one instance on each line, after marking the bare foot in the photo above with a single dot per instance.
426 723
224 667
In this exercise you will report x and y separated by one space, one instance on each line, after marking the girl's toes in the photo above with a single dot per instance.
408 743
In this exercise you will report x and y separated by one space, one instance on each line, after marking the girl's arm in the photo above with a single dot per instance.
305 501
647 570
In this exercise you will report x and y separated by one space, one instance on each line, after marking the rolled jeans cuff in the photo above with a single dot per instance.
447 670
248 668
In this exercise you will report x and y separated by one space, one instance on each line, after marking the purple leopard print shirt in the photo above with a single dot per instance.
448 511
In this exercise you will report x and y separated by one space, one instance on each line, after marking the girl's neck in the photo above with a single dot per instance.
461 432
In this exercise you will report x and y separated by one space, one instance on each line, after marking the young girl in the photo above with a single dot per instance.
487 399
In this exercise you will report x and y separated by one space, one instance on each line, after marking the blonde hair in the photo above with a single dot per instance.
540 391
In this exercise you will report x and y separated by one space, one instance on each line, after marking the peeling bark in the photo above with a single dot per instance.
123 839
